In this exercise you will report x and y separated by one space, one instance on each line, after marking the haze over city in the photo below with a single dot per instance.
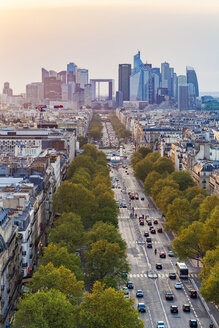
100 35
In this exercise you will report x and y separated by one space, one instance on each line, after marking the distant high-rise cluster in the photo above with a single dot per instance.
154 85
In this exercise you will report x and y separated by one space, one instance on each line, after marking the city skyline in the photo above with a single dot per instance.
100 37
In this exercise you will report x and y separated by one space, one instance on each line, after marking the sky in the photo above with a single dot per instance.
100 34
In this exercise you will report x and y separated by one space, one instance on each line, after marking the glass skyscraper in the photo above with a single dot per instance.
124 75
192 78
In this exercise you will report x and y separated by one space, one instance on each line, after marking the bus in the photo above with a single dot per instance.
182 270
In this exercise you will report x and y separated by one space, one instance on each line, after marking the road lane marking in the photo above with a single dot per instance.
161 302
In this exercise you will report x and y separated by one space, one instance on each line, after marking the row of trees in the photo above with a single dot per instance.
190 214
119 128
76 284
95 131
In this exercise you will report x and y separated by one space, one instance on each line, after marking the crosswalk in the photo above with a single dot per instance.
160 275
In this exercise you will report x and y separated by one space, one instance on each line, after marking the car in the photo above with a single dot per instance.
162 255
155 221
193 293
160 324
130 285
160 230
148 239
159 266
172 275
149 245
170 254
153 231
174 309
169 296
186 308
149 223
142 198
139 293
178 285
151 227
127 173
141 222
146 234
193 323
141 307
125 290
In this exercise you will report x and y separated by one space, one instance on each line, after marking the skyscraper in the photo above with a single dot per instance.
7 90
192 78
52 88
82 77
124 83
183 97
166 77
45 74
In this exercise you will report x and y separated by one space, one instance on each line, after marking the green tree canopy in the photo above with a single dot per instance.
135 158
163 164
178 215
74 198
144 151
59 256
106 231
166 197
195 206
150 180
183 178
68 232
153 157
80 161
207 206
105 260
192 192
107 308
143 168
82 141
49 309
49 277
160 184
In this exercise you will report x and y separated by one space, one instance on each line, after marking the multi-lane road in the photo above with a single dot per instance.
154 283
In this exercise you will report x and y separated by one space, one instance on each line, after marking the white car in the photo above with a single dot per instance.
160 324
178 285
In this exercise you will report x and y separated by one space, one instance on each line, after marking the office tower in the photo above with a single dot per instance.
78 97
71 72
71 89
82 77
166 77
52 88
139 80
175 86
183 97
156 82
45 74
35 93
87 95
64 88
191 96
7 90
124 83
192 78
182 80
62 76
119 99
52 73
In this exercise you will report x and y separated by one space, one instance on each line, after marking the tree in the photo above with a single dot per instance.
101 179
150 180
101 188
106 231
192 192
82 141
195 206
178 215
106 214
49 277
163 164
207 206
193 242
210 259
161 183
183 178
107 308
143 168
68 232
74 198
166 197
153 157
144 151
81 178
135 158
80 161
104 260
59 256
49 309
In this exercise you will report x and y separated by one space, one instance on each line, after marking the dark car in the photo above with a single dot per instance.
172 275
130 285
174 309
149 245
151 227
186 308
169 296
193 293
155 221
159 266
148 239
146 234
160 230
149 223
141 222
153 231
162 255
193 323
142 198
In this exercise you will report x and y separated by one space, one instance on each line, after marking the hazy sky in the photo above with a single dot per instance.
100 34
